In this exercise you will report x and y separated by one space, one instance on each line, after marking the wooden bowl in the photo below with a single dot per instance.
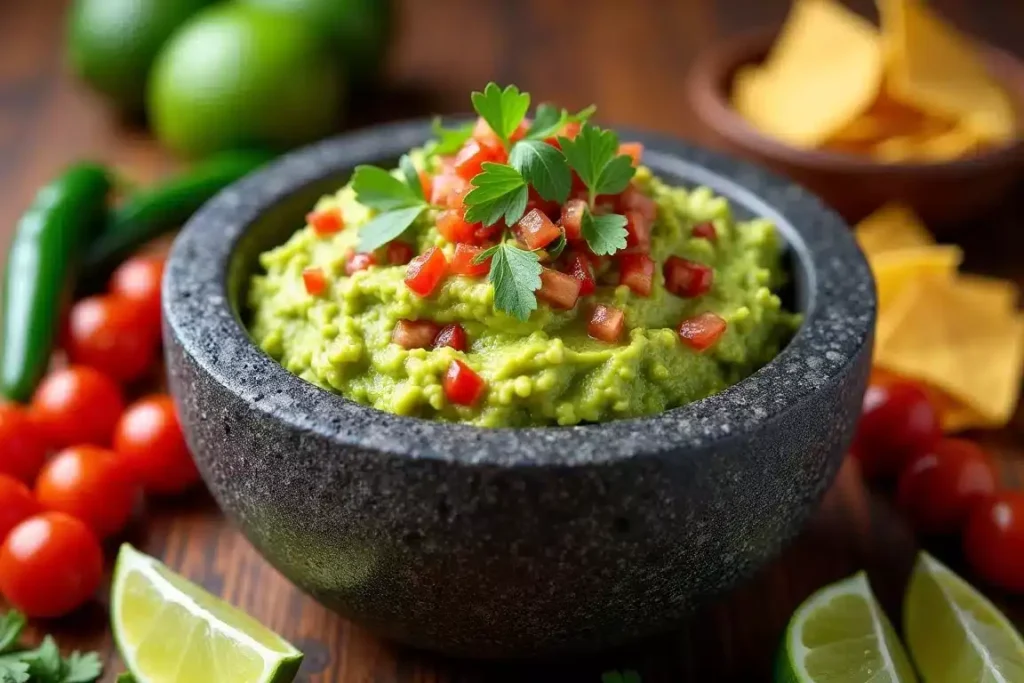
942 193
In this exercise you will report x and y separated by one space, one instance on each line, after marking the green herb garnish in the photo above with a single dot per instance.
543 167
449 140
605 234
500 192
399 201
515 274
594 155
503 110
44 663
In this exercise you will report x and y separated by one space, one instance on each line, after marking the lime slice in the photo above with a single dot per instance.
171 631
841 635
954 633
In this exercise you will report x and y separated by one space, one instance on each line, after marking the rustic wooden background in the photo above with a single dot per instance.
631 58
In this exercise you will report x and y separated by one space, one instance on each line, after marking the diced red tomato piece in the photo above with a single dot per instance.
470 159
487 235
638 231
399 252
452 225
701 331
686 278
426 271
578 265
445 187
705 230
606 323
632 199
315 281
483 134
462 261
427 184
358 261
569 130
632 149
451 335
462 386
636 271
457 200
536 230
415 334
325 222
572 218
558 289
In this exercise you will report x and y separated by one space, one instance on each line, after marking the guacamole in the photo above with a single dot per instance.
349 322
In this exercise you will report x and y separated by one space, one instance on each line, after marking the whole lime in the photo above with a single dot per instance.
360 30
112 43
239 76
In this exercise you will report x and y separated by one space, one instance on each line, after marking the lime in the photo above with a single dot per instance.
359 30
112 43
237 76
841 635
171 631
954 633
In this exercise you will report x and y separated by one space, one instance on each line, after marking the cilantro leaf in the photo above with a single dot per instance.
387 226
500 191
449 140
583 115
485 254
557 247
544 167
13 672
605 234
593 154
616 175
412 176
125 678
378 189
515 274
11 626
503 110
547 122
44 663
82 668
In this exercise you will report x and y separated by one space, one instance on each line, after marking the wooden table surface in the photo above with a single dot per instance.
631 58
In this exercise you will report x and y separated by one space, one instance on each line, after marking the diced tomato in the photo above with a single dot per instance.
470 159
705 230
606 323
572 218
451 335
445 187
701 331
686 278
578 265
457 200
558 289
632 149
536 230
483 134
632 199
636 271
315 281
487 235
426 271
638 231
427 183
535 201
452 225
325 222
415 334
569 130
358 261
461 385
462 261
399 253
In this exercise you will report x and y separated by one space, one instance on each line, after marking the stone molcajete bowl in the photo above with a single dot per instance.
512 542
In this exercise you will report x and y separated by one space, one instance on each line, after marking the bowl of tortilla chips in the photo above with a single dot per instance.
910 110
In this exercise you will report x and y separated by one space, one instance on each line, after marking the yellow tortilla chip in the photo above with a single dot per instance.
895 270
894 226
824 70
990 294
936 69
972 354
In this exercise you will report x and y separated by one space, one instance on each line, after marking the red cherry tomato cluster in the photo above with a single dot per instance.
74 462
944 485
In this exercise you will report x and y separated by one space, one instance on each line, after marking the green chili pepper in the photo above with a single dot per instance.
156 211
64 218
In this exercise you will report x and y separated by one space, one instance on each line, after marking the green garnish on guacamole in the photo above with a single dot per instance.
522 273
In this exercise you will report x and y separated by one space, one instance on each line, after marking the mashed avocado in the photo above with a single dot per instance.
546 370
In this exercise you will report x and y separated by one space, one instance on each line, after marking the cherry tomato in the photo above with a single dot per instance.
50 564
939 486
16 504
138 280
994 540
90 483
110 334
898 422
22 449
77 405
149 440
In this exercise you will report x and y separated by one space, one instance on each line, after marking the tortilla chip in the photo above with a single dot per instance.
972 354
934 68
894 226
992 295
896 270
824 70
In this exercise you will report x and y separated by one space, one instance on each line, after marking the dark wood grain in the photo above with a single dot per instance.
632 58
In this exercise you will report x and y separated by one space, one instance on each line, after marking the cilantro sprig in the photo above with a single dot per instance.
399 201
43 664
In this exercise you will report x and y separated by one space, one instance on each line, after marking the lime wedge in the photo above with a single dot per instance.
841 635
954 633
171 631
